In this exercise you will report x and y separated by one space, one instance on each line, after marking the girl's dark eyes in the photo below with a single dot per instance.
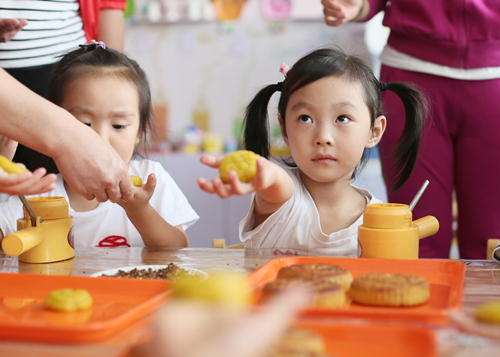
305 119
118 126
343 119
88 124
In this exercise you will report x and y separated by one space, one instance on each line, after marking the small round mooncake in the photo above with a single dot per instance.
326 294
320 271
390 290
244 162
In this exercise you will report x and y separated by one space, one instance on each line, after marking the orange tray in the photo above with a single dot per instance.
117 303
446 279
374 339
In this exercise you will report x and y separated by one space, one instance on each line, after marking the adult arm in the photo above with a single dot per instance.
10 27
111 28
91 166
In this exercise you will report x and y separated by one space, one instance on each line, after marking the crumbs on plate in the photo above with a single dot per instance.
171 272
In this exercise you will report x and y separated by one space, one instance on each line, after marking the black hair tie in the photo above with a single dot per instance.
383 86
279 86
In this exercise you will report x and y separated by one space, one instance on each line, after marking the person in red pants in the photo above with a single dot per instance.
451 50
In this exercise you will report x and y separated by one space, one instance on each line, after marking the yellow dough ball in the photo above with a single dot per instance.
244 162
489 312
219 288
10 167
68 300
136 180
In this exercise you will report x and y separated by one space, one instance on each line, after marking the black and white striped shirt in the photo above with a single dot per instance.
54 28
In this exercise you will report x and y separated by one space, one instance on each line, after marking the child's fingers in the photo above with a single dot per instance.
44 185
263 169
210 160
205 185
28 183
12 179
38 182
238 187
221 189
150 184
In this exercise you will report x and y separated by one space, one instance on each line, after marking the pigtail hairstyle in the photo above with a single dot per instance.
407 146
256 126
327 62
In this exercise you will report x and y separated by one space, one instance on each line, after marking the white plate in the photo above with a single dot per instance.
203 275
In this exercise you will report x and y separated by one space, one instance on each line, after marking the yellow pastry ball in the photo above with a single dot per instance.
69 300
489 312
136 180
244 162
219 288
10 167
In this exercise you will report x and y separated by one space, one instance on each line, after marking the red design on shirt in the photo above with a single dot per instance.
113 241
287 252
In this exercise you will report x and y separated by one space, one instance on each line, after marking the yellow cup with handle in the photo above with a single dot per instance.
389 232
49 240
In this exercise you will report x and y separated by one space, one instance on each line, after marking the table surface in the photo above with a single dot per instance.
482 283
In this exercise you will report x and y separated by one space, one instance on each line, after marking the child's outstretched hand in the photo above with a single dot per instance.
15 179
265 177
142 195
27 183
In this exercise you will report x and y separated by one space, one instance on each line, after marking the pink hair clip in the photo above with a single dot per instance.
284 69
93 45
98 44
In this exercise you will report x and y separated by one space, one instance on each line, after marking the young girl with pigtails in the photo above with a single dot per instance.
330 113
109 92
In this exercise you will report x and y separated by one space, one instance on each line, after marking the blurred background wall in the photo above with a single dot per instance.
215 67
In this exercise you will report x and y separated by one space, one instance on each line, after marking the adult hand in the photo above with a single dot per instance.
93 169
338 12
26 183
10 27
265 176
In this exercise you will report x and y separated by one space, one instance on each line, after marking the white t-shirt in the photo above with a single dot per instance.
108 225
295 228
